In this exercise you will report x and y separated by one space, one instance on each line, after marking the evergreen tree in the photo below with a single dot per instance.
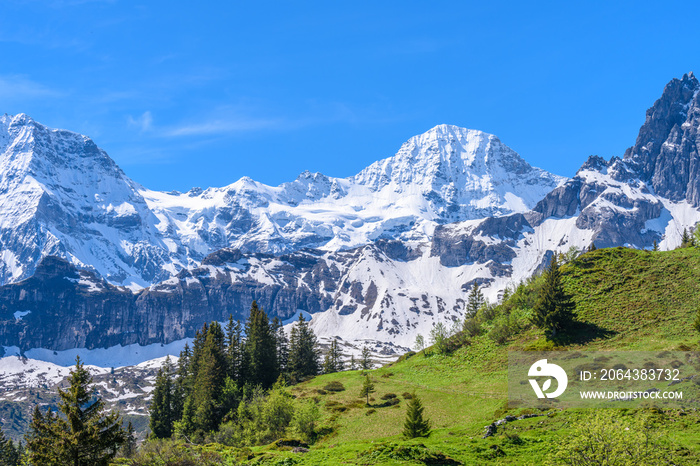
686 240
129 447
40 438
592 247
261 348
475 300
656 246
210 381
182 386
353 364
9 455
332 361
365 361
85 435
282 345
303 350
553 310
507 293
234 348
367 388
415 425
161 411
197 348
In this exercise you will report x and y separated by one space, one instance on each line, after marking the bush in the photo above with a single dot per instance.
389 396
407 396
471 327
500 332
174 452
304 420
609 437
334 386
390 402
261 419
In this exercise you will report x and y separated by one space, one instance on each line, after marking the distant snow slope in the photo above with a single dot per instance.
61 195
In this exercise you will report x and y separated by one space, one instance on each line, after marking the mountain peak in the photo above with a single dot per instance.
665 146
469 170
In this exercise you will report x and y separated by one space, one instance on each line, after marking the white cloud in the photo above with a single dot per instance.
223 126
143 123
16 87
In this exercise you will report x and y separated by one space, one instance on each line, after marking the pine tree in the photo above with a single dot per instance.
332 361
9 455
367 388
553 310
353 364
210 381
303 350
592 247
234 348
85 435
40 438
365 361
197 348
507 293
686 240
261 348
129 448
655 247
415 425
182 384
282 345
475 300
161 411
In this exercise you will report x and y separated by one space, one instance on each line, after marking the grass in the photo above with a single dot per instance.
626 299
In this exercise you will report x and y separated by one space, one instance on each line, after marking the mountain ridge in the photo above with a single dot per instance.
62 195
389 265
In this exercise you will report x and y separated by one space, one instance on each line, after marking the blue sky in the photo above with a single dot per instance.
184 94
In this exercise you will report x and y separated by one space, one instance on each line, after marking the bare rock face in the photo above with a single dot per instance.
61 195
319 244
63 307
665 154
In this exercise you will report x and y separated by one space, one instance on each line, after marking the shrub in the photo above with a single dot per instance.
174 452
334 386
305 418
471 327
389 396
500 332
609 437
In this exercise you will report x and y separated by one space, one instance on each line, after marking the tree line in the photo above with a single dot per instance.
224 366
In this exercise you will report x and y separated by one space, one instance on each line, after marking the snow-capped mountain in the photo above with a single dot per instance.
395 248
61 195
650 195
446 174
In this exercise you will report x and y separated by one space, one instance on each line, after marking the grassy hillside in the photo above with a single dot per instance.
625 299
